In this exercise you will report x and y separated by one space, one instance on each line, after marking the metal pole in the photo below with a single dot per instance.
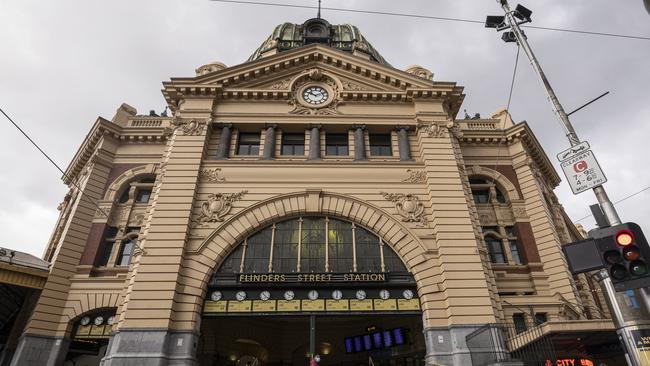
601 195
312 335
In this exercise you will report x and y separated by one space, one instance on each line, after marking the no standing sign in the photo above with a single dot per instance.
582 171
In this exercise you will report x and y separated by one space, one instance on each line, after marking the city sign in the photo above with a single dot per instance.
583 172
310 277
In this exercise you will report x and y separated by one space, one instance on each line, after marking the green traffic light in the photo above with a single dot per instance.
638 268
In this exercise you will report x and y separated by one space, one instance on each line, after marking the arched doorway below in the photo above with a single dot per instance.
312 285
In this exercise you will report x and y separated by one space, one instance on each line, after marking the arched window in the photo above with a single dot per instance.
139 190
312 244
486 191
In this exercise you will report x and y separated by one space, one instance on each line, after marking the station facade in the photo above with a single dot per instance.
313 191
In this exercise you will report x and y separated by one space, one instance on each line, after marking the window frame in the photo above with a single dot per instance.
384 144
338 145
242 142
283 144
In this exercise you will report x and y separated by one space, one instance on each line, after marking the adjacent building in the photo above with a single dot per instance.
312 200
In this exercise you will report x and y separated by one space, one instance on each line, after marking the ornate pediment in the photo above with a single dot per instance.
273 77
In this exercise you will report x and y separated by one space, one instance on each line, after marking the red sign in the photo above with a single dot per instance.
570 362
580 166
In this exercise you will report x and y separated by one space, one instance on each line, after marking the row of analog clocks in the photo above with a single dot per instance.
312 295
99 320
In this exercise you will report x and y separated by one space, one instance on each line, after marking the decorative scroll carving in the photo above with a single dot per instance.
281 85
190 128
433 130
211 175
420 72
416 176
408 206
217 206
348 85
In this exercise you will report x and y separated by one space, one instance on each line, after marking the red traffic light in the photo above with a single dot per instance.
624 238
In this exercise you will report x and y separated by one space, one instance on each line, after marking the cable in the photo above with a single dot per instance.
512 87
48 158
619 201
430 17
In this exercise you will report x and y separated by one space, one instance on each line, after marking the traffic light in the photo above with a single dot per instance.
625 254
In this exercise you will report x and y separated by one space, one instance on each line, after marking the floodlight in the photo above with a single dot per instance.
509 37
522 13
494 21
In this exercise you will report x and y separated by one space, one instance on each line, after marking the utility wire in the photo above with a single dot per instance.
49 158
619 201
419 16
512 87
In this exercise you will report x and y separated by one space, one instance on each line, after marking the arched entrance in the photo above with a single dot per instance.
312 285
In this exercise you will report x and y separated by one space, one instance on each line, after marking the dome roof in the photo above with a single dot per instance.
344 37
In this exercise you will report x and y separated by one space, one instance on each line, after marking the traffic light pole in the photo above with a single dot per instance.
632 355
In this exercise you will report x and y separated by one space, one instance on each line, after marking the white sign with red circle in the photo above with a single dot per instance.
583 172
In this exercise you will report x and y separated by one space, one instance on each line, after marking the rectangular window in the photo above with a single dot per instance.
380 145
540 318
514 251
520 322
495 248
481 195
249 144
293 144
124 258
143 195
336 144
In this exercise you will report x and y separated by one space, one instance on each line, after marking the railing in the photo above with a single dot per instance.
149 122
479 125
495 343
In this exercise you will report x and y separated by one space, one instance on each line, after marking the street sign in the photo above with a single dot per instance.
583 172
573 150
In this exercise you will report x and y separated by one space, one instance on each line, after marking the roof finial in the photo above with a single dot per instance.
318 15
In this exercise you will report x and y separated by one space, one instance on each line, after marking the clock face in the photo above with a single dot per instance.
240 296
110 320
216 296
99 320
384 294
408 294
313 295
315 95
85 320
289 295
361 294
265 295
337 294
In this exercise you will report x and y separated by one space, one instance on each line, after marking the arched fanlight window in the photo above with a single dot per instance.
311 245
486 191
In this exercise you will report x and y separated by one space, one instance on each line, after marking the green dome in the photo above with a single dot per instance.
344 37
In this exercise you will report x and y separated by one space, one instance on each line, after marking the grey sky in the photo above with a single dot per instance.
64 63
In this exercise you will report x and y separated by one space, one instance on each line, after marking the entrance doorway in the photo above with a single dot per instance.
348 340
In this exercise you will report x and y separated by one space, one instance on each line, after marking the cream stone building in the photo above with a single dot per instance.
313 191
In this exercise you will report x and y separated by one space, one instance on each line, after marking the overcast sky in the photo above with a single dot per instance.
64 63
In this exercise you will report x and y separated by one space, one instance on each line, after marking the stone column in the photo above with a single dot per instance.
224 141
359 142
269 142
314 142
403 143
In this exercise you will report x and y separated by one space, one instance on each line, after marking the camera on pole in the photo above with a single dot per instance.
622 250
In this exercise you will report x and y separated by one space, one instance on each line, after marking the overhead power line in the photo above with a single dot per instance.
619 201
48 158
430 17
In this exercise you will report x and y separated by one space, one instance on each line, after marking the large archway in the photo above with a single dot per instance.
306 272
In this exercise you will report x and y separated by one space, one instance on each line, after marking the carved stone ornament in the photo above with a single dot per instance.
409 207
217 206
420 72
315 76
416 176
281 85
454 129
349 85
192 127
433 130
211 175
